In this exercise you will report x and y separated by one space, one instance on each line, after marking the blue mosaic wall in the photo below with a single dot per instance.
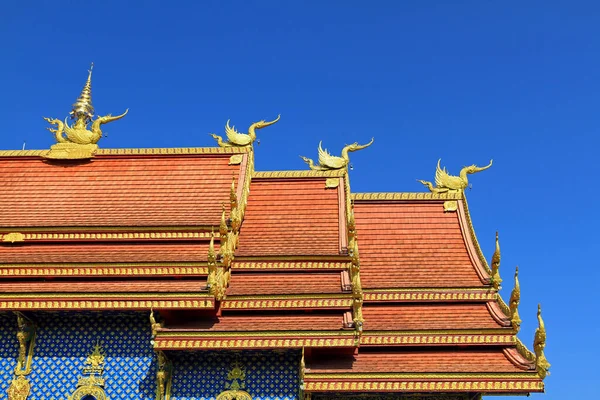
64 340
9 349
202 375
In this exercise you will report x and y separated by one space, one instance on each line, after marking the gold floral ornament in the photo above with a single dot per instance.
76 141
237 382
92 382
445 182
237 139
329 162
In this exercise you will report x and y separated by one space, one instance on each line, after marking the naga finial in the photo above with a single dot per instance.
539 343
76 141
496 280
445 182
329 162
237 139
515 299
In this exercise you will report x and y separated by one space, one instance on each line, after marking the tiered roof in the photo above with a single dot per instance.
229 258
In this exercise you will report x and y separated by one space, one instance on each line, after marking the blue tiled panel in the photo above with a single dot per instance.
9 349
65 340
202 375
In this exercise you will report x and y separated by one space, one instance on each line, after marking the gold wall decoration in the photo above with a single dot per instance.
496 280
164 376
91 382
329 162
237 139
76 141
445 182
236 383
515 298
13 237
26 330
539 343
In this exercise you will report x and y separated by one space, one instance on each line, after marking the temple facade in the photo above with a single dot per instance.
183 273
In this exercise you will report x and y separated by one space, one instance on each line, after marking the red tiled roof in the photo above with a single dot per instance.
418 361
113 191
104 252
428 317
284 283
290 217
404 245
104 287
253 322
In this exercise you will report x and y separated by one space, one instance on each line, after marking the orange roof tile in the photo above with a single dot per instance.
253 322
115 191
412 244
428 317
284 283
417 361
104 252
290 217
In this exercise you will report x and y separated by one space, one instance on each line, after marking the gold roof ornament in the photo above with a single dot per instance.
515 298
496 280
237 139
329 162
445 182
76 141
539 343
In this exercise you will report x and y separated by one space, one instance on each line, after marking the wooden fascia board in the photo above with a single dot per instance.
441 338
103 270
430 294
54 302
343 301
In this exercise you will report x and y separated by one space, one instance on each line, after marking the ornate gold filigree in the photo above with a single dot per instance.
91 383
13 237
539 343
164 377
496 280
19 388
515 298
77 142
445 182
236 383
332 183
328 162
237 139
236 159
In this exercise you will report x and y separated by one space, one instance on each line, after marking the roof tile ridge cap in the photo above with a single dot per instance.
496 312
518 359
298 174
472 244
365 196
23 153
171 150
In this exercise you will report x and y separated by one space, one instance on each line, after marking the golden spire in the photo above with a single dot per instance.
539 343
83 108
496 280
515 298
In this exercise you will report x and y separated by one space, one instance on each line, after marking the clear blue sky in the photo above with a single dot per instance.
467 81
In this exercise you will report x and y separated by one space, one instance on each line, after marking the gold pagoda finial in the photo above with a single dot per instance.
83 108
496 280
76 141
445 182
539 343
329 162
515 298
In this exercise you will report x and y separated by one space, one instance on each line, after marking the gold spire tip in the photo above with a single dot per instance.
83 108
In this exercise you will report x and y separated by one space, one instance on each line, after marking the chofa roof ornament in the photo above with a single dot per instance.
445 182
76 141
329 162
237 139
